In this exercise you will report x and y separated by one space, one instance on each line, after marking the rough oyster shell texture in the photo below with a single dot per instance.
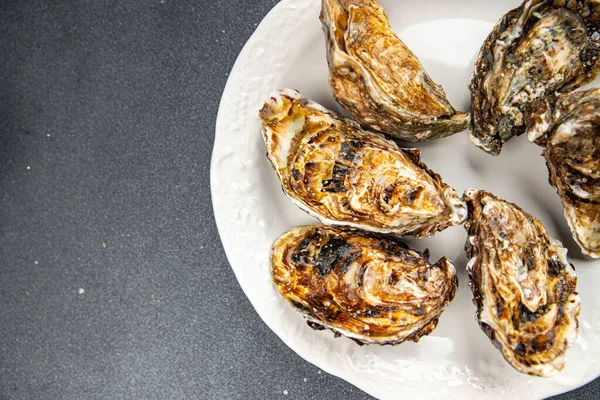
542 47
370 288
349 177
568 127
378 80
523 286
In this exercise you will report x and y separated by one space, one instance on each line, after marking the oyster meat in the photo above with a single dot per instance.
346 176
523 286
537 49
378 80
367 287
568 127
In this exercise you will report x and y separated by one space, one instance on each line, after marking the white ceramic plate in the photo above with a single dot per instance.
457 361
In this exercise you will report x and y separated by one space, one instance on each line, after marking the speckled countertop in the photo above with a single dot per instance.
113 281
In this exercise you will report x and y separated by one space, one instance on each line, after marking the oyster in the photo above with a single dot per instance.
346 176
370 288
523 285
377 79
568 127
535 50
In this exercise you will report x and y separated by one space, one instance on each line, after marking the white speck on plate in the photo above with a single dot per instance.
304 379
81 291
285 392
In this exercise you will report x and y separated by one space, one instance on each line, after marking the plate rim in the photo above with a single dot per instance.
330 368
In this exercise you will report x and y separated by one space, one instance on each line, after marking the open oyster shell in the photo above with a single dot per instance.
542 47
568 127
523 285
377 79
345 176
370 288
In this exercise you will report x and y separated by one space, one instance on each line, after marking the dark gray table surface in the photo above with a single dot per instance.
113 281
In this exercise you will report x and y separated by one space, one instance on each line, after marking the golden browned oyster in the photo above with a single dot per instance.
542 47
568 127
345 176
370 288
378 80
523 285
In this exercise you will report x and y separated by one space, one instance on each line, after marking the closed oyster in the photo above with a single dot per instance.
542 47
523 285
377 79
370 288
345 176
568 127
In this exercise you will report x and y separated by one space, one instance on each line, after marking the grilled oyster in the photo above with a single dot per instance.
542 47
370 288
568 127
345 176
523 285
377 79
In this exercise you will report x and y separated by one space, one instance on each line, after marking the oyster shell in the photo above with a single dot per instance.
370 288
523 285
346 176
377 79
568 127
535 50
